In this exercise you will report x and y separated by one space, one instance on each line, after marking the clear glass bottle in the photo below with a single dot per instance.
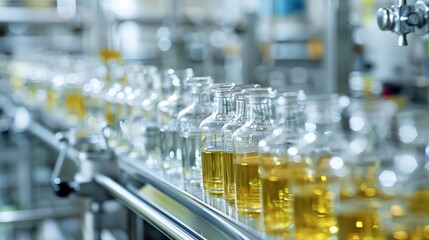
150 128
93 91
245 140
211 138
167 112
318 162
142 122
110 112
228 150
189 122
275 167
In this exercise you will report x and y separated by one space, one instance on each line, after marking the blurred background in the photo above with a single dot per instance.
321 46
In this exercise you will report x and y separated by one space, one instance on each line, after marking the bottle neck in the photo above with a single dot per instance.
259 111
240 108
200 96
290 116
222 103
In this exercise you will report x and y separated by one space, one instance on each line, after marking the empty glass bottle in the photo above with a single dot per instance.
275 167
93 91
141 110
167 111
211 138
228 150
245 140
149 126
189 122
110 111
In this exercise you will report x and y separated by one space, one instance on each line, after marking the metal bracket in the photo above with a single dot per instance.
404 19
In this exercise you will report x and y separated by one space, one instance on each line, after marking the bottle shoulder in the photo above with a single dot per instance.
194 111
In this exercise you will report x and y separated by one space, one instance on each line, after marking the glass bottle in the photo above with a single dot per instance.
211 138
318 162
227 130
167 112
275 167
189 120
245 141
93 91
362 198
408 179
142 123
116 73
73 96
149 127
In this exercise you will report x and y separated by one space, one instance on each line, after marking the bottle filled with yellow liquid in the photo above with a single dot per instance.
409 215
75 104
318 163
245 140
211 138
408 176
363 200
247 182
316 194
228 150
275 168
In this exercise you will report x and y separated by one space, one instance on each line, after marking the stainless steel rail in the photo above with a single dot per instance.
144 210
229 226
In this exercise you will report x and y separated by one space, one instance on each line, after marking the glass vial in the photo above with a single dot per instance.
211 138
245 141
189 120
228 150
318 161
409 178
362 197
275 167
167 112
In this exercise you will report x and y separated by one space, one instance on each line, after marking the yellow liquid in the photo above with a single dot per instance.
53 99
247 182
412 221
228 177
212 172
109 113
75 103
314 201
359 215
109 54
277 199
360 226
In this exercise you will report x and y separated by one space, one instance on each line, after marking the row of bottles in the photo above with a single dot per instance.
308 166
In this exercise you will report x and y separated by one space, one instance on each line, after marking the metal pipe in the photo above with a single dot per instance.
143 209
33 215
